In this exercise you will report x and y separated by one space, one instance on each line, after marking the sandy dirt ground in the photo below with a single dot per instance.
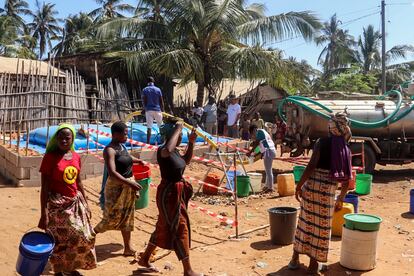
212 252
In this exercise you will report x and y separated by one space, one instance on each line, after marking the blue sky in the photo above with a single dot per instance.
355 14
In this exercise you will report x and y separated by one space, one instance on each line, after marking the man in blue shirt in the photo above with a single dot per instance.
153 106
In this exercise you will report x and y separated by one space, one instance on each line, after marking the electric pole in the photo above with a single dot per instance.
383 73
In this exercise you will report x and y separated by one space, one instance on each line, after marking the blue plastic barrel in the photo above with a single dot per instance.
230 176
34 252
412 201
353 199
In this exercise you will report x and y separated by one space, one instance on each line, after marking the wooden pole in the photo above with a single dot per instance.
236 213
250 231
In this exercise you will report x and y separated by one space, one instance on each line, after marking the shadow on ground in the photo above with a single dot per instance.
389 176
333 270
106 251
265 245
407 215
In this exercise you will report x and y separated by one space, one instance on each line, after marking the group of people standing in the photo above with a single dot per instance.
66 215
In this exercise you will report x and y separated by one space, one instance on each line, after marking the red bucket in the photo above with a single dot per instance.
212 179
141 171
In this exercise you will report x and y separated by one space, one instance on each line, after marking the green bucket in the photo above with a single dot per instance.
243 186
143 200
363 184
297 172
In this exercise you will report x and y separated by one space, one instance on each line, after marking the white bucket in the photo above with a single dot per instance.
255 181
358 249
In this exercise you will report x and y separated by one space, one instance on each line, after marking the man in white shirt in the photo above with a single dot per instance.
233 116
210 116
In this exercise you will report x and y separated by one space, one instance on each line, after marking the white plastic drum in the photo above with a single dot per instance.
358 249
256 181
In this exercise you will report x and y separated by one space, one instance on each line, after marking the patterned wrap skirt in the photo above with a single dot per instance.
119 207
173 230
69 224
315 220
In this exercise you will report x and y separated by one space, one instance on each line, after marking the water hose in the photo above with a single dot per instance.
392 118
202 135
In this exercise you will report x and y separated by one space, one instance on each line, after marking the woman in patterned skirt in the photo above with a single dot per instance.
330 164
64 210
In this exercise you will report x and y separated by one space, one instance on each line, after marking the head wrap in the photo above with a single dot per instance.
53 143
339 126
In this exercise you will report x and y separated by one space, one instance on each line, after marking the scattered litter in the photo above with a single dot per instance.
261 264
397 226
168 266
408 254
348 272
244 252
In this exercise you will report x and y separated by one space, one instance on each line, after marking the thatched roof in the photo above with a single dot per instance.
9 65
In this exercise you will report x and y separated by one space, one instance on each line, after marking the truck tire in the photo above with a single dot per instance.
370 157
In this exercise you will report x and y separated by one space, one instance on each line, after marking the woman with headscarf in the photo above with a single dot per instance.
330 164
172 230
119 189
64 210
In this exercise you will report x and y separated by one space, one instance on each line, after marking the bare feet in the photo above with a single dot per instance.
129 252
294 262
147 266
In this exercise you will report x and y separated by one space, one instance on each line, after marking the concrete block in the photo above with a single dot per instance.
29 183
87 168
21 173
35 174
2 162
98 169
88 158
14 158
148 155
30 161
88 176
2 151
82 176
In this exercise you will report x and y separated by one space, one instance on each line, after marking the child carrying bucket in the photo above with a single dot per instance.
65 213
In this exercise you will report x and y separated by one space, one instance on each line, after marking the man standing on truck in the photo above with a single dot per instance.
153 106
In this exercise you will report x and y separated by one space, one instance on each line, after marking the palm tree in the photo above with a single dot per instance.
15 9
78 29
7 34
207 40
338 51
45 26
110 9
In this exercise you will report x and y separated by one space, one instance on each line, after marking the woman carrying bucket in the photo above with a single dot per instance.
267 148
65 211
330 164
119 189
173 194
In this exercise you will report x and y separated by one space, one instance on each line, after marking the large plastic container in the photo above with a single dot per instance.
353 199
256 182
363 184
230 176
282 222
34 252
143 200
286 184
412 201
338 218
214 180
243 186
358 249
298 171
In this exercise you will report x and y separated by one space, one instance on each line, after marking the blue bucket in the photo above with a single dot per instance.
230 175
34 252
412 201
353 199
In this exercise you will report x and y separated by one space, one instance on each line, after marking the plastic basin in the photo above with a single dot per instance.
141 171
362 222
298 171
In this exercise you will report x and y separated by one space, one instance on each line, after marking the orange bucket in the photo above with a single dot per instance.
212 179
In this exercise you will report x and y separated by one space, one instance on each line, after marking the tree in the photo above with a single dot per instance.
339 46
110 9
15 9
7 34
207 40
78 30
45 26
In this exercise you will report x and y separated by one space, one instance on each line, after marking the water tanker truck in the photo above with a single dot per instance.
385 126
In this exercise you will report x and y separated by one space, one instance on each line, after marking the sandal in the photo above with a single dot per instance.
150 269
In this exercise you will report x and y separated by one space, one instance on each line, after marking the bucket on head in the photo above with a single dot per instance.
282 224
255 181
141 171
143 200
243 186
34 251
412 201
298 171
230 178
363 184
212 179
353 199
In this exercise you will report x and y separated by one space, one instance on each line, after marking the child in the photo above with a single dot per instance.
244 127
